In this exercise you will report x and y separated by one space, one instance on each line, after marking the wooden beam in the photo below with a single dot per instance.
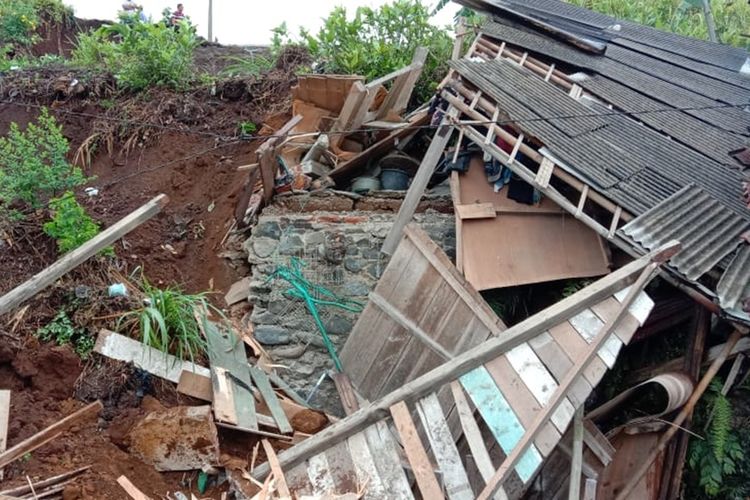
471 359
74 258
398 98
476 211
48 434
419 183
677 423
560 394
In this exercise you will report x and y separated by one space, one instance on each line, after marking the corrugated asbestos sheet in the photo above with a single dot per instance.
734 287
707 230
591 24
631 164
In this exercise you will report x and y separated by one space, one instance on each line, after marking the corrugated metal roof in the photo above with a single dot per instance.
734 286
707 230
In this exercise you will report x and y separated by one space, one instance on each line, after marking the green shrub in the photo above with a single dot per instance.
250 65
141 54
71 226
62 331
684 17
167 322
33 166
376 42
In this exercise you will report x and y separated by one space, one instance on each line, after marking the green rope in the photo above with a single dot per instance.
314 296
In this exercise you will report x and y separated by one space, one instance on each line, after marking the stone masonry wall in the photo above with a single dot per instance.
339 251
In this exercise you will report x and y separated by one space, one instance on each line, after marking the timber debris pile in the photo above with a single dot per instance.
524 287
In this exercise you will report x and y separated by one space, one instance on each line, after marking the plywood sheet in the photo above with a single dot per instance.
522 243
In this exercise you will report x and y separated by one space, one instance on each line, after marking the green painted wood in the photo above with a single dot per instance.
228 352
272 401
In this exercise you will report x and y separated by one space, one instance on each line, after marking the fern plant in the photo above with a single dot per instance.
717 457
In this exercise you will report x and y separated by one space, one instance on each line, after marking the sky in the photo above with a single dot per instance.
244 22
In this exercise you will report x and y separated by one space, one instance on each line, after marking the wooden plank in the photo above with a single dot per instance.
74 258
499 417
473 358
475 211
195 386
281 487
456 196
576 463
419 182
40 485
415 452
132 491
597 442
455 480
364 464
223 396
227 352
559 396
4 419
157 363
387 461
558 363
260 379
42 437
341 468
589 492
574 345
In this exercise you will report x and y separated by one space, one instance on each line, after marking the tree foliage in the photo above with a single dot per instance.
684 17
375 42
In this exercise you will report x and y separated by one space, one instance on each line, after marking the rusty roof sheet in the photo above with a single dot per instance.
734 286
708 230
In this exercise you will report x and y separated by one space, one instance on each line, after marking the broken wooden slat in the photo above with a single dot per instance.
286 389
364 465
196 386
419 182
266 154
388 461
26 489
132 491
4 419
272 401
500 418
475 211
228 366
341 467
48 434
278 473
597 442
415 452
151 360
74 258
455 480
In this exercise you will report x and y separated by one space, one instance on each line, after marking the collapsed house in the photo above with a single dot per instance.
566 144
